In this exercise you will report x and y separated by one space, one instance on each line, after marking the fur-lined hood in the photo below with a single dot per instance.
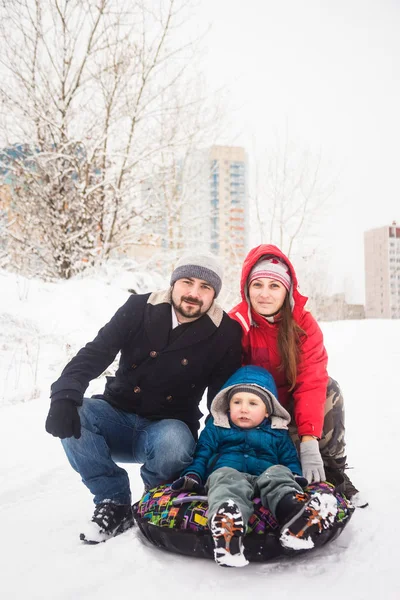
258 377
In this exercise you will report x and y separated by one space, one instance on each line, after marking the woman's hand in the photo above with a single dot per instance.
311 460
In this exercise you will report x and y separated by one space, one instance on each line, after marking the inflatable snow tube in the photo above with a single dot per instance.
177 522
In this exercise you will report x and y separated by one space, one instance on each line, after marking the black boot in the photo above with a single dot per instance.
344 486
227 529
302 516
289 506
109 519
335 476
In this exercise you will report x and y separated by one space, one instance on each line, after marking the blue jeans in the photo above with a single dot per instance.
164 448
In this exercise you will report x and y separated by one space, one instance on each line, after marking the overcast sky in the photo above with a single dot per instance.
327 71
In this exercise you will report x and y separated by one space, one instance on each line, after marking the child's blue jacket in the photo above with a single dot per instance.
246 450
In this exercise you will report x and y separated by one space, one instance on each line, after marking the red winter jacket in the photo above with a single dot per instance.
260 347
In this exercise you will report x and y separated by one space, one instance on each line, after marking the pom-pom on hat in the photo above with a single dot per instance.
203 266
272 268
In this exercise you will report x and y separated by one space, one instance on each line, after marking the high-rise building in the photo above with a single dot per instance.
382 272
198 203
229 205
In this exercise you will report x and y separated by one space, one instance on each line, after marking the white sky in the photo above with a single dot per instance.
328 71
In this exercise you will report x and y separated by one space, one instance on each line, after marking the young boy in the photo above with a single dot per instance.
245 450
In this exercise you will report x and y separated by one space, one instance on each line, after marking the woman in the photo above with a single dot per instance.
284 338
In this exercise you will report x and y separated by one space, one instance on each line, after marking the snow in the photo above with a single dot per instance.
226 559
44 504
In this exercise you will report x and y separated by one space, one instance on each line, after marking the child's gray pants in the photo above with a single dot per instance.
229 484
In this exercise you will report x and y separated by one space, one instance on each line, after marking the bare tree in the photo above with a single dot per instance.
88 88
291 196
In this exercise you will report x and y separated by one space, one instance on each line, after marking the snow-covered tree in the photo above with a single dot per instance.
86 92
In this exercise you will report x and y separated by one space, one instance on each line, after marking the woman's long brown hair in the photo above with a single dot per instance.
289 340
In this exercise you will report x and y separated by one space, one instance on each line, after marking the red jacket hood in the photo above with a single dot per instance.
299 301
260 348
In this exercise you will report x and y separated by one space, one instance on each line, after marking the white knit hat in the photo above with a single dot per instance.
203 266
271 268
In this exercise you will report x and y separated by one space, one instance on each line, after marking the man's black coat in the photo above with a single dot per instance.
162 372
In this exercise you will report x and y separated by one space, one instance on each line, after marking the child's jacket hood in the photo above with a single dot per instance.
242 311
250 375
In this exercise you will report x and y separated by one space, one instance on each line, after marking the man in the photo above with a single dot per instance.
173 345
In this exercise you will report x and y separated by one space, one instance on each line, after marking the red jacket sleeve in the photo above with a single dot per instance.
309 393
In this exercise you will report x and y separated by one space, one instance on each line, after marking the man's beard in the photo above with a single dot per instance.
193 312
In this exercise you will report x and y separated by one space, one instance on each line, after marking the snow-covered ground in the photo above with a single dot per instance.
43 503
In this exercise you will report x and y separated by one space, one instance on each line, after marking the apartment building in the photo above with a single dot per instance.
382 272
202 205
229 205
335 308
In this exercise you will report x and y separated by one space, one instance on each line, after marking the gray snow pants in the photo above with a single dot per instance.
270 486
332 444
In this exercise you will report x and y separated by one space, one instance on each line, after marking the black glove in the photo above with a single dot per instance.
189 483
63 419
302 481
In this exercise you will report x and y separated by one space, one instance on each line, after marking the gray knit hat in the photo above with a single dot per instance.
253 389
202 266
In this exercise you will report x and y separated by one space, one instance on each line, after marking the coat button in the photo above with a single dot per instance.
153 354
169 398
136 389
184 362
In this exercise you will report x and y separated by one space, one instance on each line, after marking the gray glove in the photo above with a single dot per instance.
311 461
